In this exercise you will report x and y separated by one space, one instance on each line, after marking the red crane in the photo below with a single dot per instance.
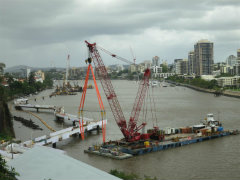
130 130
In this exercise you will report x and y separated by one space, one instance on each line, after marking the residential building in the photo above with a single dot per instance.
132 68
155 61
191 63
216 73
223 68
181 66
228 81
231 60
39 76
203 54
238 54
177 66
119 68
236 69
141 67
156 70
184 66
147 64
166 75
207 77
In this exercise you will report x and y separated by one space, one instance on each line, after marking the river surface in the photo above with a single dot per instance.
175 107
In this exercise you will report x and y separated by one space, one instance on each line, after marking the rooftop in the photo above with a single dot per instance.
42 162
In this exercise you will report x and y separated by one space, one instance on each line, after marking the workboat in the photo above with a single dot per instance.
154 83
21 101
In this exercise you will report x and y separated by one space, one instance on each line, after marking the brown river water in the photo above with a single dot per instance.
175 107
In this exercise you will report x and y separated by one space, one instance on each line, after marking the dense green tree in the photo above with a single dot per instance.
164 68
38 86
31 78
2 65
9 78
48 83
196 82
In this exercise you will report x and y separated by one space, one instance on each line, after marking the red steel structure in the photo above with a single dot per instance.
130 130
81 106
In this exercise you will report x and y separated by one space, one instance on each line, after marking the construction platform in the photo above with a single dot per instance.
37 107
123 150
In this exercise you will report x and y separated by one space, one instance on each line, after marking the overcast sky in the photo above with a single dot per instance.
41 33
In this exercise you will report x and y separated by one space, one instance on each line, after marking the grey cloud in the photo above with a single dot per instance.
27 24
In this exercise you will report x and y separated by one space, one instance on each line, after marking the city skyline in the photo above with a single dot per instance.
42 33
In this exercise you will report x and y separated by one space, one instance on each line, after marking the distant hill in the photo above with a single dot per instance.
21 68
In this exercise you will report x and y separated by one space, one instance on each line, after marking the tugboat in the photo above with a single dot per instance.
208 125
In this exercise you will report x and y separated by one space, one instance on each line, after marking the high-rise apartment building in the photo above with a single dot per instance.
238 56
181 66
184 66
203 54
191 66
238 53
177 65
231 60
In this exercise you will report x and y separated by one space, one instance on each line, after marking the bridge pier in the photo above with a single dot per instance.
98 129
37 109
54 145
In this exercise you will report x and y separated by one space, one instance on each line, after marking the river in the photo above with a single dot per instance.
175 107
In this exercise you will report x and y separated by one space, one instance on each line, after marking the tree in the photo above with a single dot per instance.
164 68
48 82
2 65
31 79
9 78
5 173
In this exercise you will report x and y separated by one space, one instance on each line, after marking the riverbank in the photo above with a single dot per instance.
229 93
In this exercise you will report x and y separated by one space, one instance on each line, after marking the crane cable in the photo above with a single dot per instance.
155 110
151 105
115 56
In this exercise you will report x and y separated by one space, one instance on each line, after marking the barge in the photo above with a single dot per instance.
162 140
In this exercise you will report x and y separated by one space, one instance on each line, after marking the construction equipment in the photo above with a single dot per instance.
130 130
81 106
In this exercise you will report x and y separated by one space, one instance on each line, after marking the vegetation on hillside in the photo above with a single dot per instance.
195 82
27 86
